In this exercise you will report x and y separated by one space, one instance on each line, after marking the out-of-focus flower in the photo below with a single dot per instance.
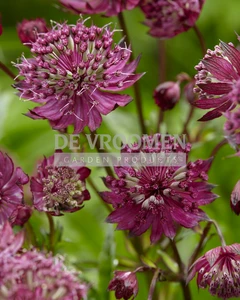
31 275
59 189
219 269
20 215
218 81
232 128
167 18
106 7
188 91
74 74
9 243
11 190
235 199
28 30
167 94
124 284
159 196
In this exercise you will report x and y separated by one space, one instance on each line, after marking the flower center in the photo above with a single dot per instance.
62 189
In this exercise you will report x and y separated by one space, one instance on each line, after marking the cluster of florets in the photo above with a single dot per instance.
73 73
159 196
167 18
58 189
33 275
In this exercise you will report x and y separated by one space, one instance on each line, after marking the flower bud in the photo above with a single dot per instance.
124 284
29 29
189 93
20 215
231 128
167 94
235 198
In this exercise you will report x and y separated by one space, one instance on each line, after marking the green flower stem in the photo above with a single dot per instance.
51 232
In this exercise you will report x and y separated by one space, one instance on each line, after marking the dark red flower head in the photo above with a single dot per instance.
219 269
218 81
106 7
167 94
58 189
28 30
168 18
75 74
160 196
11 187
124 284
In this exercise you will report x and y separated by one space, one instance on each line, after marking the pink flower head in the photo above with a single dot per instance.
106 7
11 190
218 269
74 75
59 189
160 196
167 94
232 128
28 30
32 275
168 18
235 198
124 284
218 81
9 243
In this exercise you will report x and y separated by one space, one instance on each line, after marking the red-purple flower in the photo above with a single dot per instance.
159 196
74 75
28 30
167 94
58 189
20 215
232 128
11 190
106 7
218 269
32 275
235 198
218 81
124 284
168 18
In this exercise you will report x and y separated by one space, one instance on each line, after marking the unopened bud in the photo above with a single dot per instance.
167 94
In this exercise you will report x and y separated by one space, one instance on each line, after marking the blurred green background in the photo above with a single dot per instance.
88 242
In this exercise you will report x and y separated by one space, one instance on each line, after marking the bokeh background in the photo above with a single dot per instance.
87 241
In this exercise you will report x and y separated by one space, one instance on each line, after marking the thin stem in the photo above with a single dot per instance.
7 71
162 61
219 232
100 150
200 38
30 234
160 120
185 287
138 98
218 147
94 187
189 117
51 232
200 244
153 284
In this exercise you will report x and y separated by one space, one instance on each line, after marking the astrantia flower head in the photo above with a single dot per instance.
28 30
11 190
167 18
219 269
232 128
167 94
218 80
58 189
106 7
31 275
124 284
74 74
235 199
160 196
